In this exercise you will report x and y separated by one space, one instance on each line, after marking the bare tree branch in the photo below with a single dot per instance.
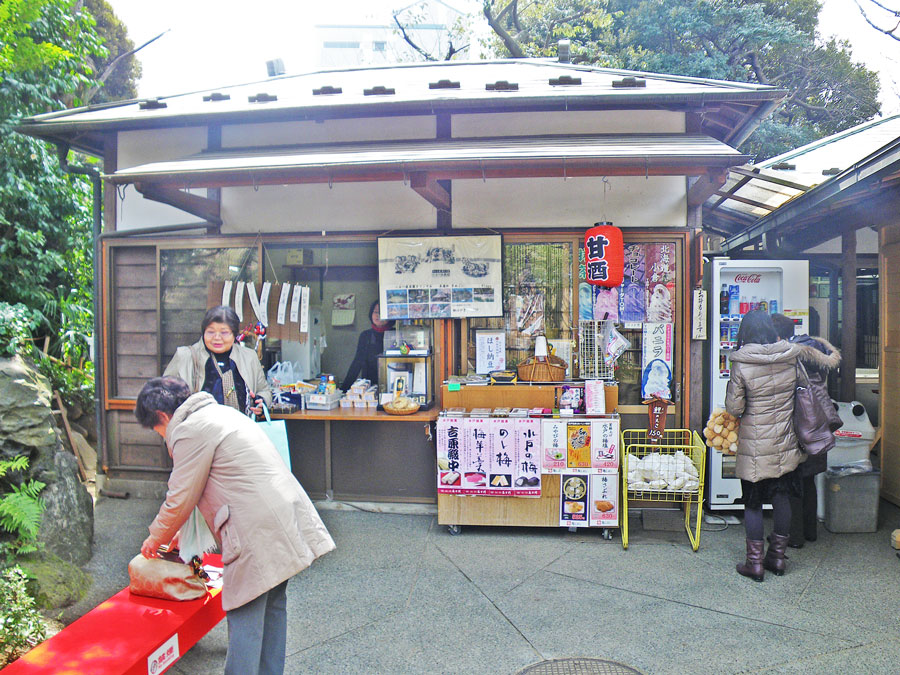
424 54
112 65
889 32
511 44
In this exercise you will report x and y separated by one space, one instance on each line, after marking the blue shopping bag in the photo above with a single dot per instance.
277 432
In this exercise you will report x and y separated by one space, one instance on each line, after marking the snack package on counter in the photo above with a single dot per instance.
616 344
721 431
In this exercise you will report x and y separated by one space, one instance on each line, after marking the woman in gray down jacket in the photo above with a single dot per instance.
761 393
820 357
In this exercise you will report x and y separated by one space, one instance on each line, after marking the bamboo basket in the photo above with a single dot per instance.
553 369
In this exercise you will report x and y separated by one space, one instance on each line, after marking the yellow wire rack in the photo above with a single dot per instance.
662 472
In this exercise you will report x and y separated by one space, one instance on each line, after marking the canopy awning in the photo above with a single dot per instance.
521 157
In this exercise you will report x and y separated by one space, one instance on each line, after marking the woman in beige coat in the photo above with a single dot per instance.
761 393
268 529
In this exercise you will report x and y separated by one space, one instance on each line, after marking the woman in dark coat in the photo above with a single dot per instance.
370 345
820 358
761 393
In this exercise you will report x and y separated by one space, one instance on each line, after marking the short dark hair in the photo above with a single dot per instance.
756 328
389 323
783 326
221 314
161 394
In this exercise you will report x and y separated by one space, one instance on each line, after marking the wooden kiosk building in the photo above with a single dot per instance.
295 177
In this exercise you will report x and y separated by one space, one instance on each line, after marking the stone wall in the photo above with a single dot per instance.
27 426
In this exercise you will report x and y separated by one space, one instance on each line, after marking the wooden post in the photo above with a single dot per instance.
65 418
848 316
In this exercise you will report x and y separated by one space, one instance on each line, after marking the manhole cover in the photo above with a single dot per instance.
579 667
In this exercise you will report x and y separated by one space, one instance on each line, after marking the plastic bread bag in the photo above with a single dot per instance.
616 344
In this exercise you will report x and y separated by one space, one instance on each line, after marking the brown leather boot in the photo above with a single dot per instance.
774 560
753 567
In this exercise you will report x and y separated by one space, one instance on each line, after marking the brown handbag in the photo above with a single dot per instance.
165 579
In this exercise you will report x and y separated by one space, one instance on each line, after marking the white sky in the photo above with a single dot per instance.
211 43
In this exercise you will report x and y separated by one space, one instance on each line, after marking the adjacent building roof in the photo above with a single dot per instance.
753 192
729 111
853 181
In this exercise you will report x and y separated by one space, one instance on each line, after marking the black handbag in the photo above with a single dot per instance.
812 422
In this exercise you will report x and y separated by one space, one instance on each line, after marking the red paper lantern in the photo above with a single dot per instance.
604 255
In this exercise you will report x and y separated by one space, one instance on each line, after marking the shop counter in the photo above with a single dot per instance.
361 454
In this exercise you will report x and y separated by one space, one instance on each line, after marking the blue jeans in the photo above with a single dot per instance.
257 635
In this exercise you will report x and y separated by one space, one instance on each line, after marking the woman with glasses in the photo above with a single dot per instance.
222 367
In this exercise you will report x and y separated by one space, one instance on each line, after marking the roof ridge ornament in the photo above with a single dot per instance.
502 85
379 90
152 104
217 96
326 90
629 82
564 80
262 98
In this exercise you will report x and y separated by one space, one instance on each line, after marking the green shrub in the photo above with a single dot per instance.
17 325
20 507
21 624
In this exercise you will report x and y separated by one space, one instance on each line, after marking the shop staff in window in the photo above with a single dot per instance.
222 367
370 345
225 467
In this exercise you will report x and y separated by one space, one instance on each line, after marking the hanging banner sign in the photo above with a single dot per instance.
604 254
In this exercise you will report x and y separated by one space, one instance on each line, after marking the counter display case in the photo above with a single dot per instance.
409 375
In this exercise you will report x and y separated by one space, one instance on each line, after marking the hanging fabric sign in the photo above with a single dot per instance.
604 254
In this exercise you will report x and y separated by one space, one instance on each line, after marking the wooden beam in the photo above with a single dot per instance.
756 175
848 317
744 200
202 207
429 189
706 186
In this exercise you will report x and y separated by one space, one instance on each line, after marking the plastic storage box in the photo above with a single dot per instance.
851 444
851 501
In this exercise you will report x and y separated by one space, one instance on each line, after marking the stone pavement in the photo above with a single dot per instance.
401 595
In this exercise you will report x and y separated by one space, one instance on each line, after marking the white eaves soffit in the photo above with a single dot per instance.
596 155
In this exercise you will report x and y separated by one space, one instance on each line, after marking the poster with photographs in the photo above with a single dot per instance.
440 277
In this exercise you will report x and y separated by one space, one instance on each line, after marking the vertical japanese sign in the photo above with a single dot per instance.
604 500
555 450
632 305
449 449
656 364
578 446
490 351
659 260
605 445
503 456
527 472
476 457
604 255
573 500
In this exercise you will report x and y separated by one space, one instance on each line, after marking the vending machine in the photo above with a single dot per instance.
739 286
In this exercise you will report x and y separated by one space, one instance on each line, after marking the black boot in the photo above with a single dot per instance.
753 566
797 523
810 522
774 560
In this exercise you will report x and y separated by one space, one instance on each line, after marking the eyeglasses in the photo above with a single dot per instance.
225 334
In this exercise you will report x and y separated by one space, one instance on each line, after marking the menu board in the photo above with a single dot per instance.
440 277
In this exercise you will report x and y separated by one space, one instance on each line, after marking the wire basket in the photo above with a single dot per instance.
670 471
592 349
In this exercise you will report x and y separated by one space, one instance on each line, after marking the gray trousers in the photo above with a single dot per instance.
257 635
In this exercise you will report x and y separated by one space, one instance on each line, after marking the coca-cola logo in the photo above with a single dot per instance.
747 278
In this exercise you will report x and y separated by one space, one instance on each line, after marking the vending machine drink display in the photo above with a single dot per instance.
769 285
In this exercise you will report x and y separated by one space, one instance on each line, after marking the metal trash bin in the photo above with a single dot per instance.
851 501
851 444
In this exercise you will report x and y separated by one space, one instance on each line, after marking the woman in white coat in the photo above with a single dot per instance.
268 529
